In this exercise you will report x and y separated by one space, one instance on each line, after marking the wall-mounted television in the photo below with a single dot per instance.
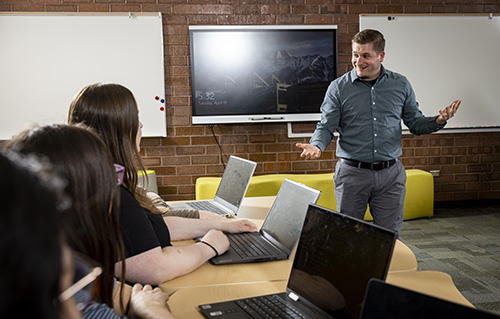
242 74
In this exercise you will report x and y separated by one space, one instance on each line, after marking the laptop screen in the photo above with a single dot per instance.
235 180
387 301
336 257
286 217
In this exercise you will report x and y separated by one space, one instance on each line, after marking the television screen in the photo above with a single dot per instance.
260 73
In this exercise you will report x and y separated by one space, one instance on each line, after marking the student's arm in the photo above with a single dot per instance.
183 228
158 265
127 291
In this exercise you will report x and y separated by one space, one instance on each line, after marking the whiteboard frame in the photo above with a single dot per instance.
405 56
46 58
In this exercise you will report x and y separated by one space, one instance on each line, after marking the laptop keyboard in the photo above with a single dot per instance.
208 206
248 245
270 306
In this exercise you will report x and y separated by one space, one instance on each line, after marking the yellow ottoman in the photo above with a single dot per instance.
419 200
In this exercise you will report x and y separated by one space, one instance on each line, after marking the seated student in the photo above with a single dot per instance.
112 111
33 271
92 227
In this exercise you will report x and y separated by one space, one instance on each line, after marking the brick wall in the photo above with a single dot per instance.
469 163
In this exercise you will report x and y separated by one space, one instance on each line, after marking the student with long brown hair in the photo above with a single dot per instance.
33 267
112 111
91 224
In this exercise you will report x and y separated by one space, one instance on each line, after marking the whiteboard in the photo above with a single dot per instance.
446 58
45 59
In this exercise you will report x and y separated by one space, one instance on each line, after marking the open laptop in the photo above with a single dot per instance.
280 231
387 301
231 191
336 257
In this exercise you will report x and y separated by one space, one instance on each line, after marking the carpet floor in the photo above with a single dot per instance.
463 242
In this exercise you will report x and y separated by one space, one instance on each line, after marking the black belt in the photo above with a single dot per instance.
376 166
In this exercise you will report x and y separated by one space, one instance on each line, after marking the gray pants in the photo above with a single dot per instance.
383 190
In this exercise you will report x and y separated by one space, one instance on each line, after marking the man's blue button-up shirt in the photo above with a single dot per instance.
368 117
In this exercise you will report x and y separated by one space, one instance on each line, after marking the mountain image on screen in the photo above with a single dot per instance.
260 72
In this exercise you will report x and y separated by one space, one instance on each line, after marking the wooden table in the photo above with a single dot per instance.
210 283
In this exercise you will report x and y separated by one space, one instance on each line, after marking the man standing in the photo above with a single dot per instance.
366 106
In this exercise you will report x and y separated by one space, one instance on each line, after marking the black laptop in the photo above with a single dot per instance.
336 257
280 231
387 301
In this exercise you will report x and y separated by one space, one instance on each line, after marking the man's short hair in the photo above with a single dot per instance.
370 36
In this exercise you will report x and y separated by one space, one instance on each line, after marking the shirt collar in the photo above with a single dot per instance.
354 75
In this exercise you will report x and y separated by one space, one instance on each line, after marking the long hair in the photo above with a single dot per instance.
111 110
30 246
92 226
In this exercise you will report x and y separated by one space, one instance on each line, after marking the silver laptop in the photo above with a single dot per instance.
279 232
231 191
336 257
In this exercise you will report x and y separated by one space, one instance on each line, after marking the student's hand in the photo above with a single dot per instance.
238 226
448 112
218 240
210 215
309 151
148 303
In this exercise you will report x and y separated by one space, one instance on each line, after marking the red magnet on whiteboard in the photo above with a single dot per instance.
157 98
162 108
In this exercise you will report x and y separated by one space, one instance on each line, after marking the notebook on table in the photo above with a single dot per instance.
231 191
280 231
387 301
336 257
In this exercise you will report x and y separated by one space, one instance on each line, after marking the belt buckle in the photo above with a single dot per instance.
372 166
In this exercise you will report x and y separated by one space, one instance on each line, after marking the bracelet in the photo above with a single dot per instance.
216 252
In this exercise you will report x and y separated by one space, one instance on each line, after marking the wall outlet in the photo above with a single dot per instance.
435 173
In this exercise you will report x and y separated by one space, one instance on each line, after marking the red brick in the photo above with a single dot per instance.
178 180
189 131
151 161
490 177
444 9
305 166
305 9
472 187
233 139
249 148
205 159
428 151
174 160
452 169
465 196
165 9
226 149
262 157
467 178
202 140
262 138
93 7
490 159
163 170
189 170
201 9
277 167
190 150
478 168
276 148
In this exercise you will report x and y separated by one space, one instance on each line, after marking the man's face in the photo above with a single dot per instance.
366 61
